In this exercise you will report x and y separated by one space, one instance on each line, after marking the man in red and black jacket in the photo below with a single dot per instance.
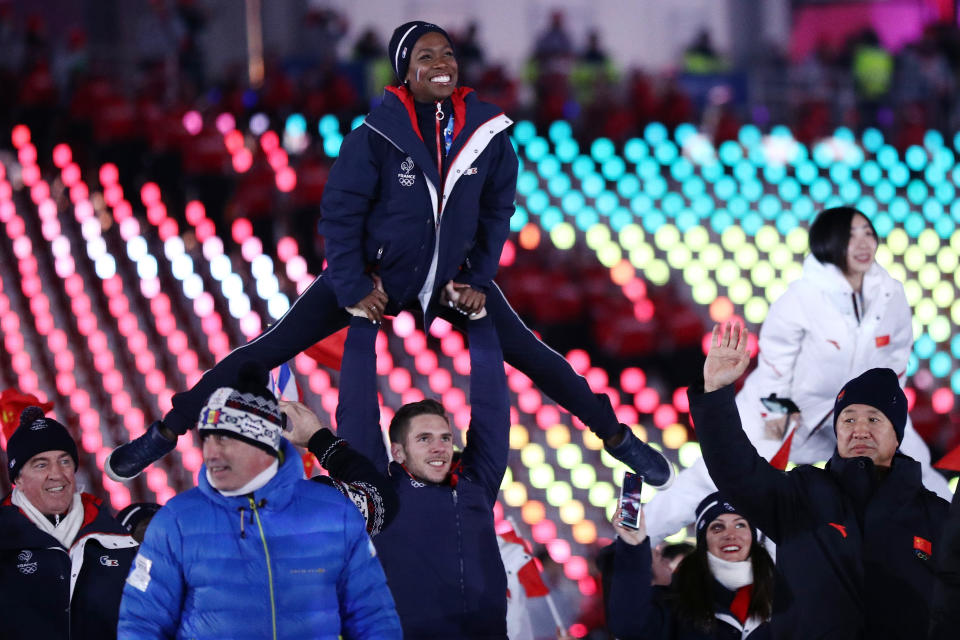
857 541
63 557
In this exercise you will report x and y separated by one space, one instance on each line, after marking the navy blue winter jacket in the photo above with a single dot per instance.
40 597
385 203
857 552
290 560
440 553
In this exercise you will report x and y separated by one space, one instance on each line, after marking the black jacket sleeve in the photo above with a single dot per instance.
356 478
633 610
945 607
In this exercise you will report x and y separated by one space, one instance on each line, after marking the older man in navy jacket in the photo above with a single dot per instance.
856 541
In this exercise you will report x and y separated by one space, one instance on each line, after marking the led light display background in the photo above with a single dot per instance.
109 305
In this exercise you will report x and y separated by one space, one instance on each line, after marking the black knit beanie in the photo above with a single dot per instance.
878 388
37 434
402 41
709 509
246 411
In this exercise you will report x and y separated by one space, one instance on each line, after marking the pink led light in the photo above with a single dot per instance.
13 342
150 194
168 229
123 213
251 248
154 381
440 328
241 230
22 247
425 362
30 284
451 344
461 418
156 213
911 394
251 325
192 122
454 399
205 230
39 192
626 414
647 400
133 421
461 363
195 212
411 395
384 364
287 248
643 310
664 416
942 400
145 362
63 361
680 400
404 324
79 192
127 323
575 568
109 174
632 379
225 122
149 288
269 141
187 362
8 214
399 380
70 174
112 379
277 158
242 160
508 254
286 180
30 175
635 290
10 322
137 341
579 360
547 416
578 630
86 324
211 323
20 361
415 343
62 156
440 380
233 141
113 194
97 341
27 154
597 378
120 402
545 532
529 401
20 136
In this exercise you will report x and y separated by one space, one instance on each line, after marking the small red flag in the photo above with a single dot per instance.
12 404
950 462
922 544
520 561
883 341
782 457
329 351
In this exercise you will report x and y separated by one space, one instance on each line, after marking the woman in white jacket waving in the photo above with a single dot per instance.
845 315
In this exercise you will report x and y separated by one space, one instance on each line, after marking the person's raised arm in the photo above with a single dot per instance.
488 439
358 409
350 472
764 493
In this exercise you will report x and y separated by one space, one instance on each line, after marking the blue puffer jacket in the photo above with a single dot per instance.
291 560
386 204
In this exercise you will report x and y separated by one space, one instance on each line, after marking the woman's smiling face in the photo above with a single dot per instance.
432 75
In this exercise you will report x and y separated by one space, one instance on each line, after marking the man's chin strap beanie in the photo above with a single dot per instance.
711 508
402 41
247 411
37 434
878 388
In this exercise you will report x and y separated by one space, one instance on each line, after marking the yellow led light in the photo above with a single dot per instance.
609 254
955 312
557 436
590 441
914 258
897 271
746 256
792 272
689 453
696 238
507 477
569 455
541 476
675 538
766 237
518 436
666 237
679 257
732 238
531 455
929 241
727 272
942 294
563 236
622 273
898 241
674 436
657 272
797 240
925 310
955 241
583 476
641 256
929 276
884 256
704 292
762 273
782 256
558 493
947 260
694 273
940 329
774 290
917 327
711 256
631 236
740 291
601 494
598 235
515 494
585 532
914 292
755 310
571 512
641 433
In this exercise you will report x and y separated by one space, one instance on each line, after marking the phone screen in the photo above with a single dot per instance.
630 499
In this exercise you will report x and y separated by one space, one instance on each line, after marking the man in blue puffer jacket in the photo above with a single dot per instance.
255 551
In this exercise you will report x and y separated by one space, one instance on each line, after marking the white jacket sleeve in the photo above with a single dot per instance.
780 342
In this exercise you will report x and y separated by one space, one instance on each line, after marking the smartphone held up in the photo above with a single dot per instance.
630 499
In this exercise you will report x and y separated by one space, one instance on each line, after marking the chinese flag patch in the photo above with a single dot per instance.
883 341
922 547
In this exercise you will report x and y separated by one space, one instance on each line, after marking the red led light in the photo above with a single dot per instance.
647 400
20 136
242 160
942 400
27 154
269 141
286 180
109 174
575 568
632 379
664 416
62 156
241 230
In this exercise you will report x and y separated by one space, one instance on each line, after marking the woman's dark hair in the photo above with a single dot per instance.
830 235
691 592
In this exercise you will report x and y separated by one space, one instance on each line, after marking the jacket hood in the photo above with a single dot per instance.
277 492
829 277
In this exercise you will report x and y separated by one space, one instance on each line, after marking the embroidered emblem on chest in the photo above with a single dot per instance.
107 561
405 177
472 171
25 566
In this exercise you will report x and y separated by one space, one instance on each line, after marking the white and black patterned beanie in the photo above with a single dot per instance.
247 411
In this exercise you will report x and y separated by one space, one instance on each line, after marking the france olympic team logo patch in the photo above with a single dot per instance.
405 177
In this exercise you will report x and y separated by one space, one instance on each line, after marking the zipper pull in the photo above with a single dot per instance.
454 496
439 113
